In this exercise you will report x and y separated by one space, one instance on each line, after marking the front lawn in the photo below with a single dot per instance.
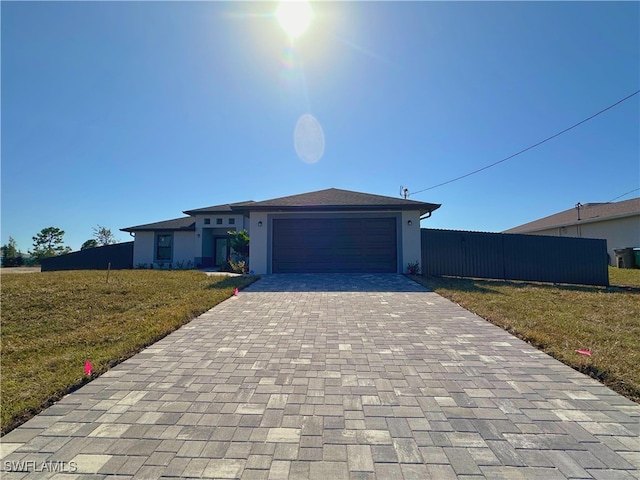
560 319
52 322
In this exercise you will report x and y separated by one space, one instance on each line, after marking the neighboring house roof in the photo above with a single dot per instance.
226 208
589 213
336 199
184 224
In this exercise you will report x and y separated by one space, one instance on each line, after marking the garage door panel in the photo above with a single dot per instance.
386 252
379 234
347 242
334 245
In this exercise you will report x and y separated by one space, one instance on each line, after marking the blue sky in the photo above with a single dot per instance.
124 113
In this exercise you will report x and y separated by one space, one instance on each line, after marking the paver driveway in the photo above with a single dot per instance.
328 377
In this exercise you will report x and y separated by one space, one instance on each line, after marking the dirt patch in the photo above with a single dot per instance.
6 270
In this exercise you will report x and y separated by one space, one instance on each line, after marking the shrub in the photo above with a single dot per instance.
233 266
239 242
413 268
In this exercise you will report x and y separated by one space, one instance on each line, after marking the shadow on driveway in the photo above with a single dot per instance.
335 282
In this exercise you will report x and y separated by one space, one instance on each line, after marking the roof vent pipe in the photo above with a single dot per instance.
578 206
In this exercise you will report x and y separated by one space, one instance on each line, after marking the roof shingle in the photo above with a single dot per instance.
331 199
336 199
225 208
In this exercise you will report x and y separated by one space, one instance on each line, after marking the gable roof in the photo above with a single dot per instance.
331 199
589 213
225 208
176 224
336 199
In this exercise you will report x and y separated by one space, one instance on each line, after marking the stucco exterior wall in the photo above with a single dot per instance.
258 243
183 247
143 248
618 232
411 250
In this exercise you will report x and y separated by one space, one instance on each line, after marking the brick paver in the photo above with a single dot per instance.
333 376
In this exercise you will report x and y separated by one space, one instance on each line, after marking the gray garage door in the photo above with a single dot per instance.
341 245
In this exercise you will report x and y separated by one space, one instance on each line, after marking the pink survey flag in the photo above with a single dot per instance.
87 367
584 352
235 292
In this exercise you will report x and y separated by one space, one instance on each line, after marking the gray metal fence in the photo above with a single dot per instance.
119 255
515 257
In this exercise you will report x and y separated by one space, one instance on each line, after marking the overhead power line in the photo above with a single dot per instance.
528 148
624 195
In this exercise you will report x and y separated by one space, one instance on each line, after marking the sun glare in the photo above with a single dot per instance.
294 17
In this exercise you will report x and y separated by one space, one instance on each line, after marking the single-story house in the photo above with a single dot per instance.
616 222
328 230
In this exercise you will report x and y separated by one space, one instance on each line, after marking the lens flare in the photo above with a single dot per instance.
294 17
308 139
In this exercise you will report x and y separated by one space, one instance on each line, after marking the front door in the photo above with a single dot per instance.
220 250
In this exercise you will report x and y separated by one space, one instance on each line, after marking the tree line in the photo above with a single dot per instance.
49 242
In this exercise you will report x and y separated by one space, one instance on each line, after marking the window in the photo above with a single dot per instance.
218 221
207 221
232 221
164 243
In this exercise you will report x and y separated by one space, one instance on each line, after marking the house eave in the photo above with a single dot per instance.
345 208
193 213
133 230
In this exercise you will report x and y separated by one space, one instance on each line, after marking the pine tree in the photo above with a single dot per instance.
10 255
48 243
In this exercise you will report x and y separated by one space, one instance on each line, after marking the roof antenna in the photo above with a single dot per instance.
578 207
404 192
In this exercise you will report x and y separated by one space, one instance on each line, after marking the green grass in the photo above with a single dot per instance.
560 319
52 322
624 277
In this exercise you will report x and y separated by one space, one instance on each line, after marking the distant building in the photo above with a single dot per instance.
617 222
